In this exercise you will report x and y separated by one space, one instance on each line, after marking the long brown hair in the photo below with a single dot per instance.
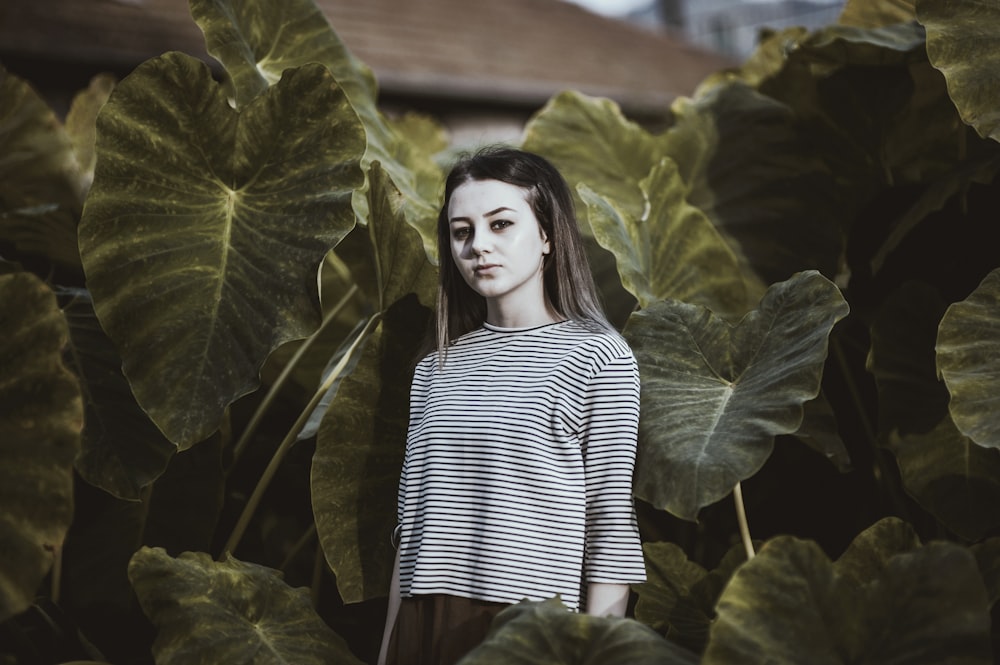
569 284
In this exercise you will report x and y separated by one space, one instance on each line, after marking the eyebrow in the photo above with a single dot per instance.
489 214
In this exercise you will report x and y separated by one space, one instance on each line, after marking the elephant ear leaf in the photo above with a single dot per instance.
255 44
679 596
202 240
790 604
41 416
963 41
870 552
257 41
712 404
669 577
81 124
544 633
671 250
359 454
968 357
590 141
40 188
400 263
741 152
122 451
229 612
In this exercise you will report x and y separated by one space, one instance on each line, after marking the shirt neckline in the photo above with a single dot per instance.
493 328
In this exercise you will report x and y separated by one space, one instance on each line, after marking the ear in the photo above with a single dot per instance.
547 246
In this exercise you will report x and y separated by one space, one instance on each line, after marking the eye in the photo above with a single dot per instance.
461 233
500 224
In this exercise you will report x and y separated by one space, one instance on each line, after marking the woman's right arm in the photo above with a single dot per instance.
392 611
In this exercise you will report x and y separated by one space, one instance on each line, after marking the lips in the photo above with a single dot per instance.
485 268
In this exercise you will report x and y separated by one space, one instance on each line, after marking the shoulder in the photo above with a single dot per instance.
597 341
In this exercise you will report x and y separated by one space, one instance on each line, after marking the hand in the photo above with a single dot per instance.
607 599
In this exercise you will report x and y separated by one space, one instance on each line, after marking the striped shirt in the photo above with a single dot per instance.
517 480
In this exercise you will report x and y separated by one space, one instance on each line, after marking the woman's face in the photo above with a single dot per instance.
498 246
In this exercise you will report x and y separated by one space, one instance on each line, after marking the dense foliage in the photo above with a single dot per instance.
211 295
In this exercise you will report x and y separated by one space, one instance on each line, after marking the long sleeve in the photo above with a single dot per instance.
418 398
609 429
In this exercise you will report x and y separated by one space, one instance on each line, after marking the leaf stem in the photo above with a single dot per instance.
298 546
852 388
57 562
318 565
290 438
741 517
272 393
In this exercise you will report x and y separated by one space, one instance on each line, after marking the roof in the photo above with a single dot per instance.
496 51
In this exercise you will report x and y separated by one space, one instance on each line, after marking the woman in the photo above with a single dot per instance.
521 443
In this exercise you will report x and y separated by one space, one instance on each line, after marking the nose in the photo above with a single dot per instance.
480 243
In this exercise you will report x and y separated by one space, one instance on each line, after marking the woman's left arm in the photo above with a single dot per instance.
607 599
613 556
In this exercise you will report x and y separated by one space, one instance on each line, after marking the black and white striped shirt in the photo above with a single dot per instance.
517 481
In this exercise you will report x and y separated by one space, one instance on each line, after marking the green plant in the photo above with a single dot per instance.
804 256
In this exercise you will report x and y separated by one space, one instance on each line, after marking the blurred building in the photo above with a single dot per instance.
732 27
482 67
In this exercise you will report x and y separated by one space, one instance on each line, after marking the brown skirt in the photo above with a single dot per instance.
438 629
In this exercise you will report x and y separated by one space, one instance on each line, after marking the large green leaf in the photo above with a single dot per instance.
229 612
962 41
679 596
949 475
669 577
386 261
591 142
546 633
871 550
866 101
785 59
790 604
968 358
122 450
40 192
714 395
594 145
837 45
41 415
205 228
401 267
359 454
671 250
81 124
754 171
257 41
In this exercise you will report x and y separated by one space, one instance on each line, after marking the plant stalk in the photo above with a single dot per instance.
57 561
290 438
318 565
272 393
298 546
859 403
741 517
